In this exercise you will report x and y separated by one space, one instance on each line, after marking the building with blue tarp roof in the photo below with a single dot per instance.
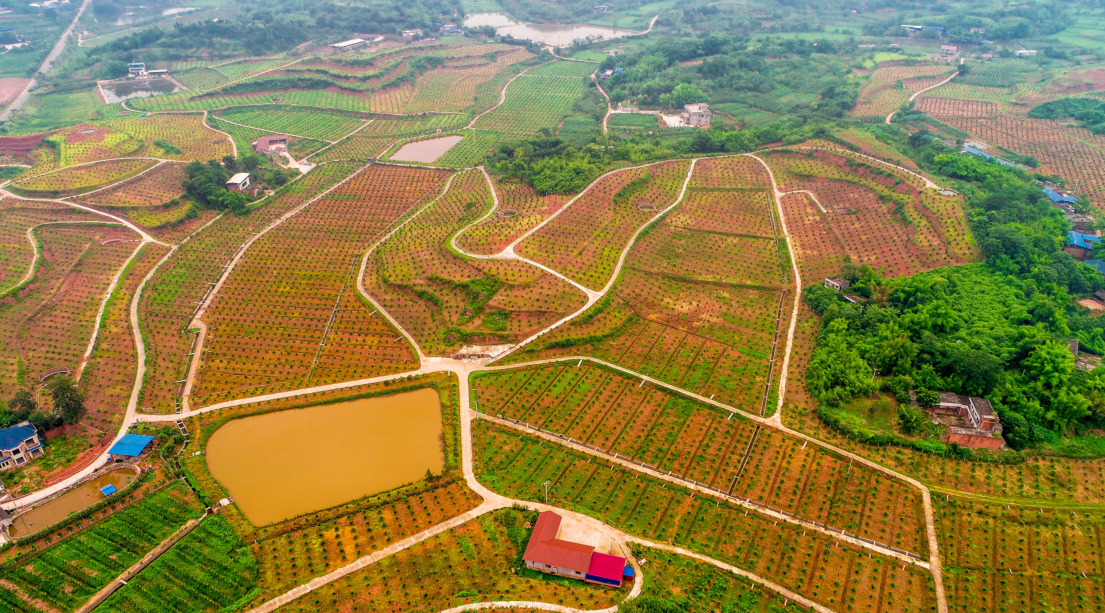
108 490
1055 196
130 446
1085 241
988 156
1097 265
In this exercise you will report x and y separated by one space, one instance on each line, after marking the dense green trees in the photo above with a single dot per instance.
1090 112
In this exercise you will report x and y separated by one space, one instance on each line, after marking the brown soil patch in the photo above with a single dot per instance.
10 88
21 144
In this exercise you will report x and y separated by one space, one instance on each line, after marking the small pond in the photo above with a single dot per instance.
70 502
425 151
119 91
560 35
284 464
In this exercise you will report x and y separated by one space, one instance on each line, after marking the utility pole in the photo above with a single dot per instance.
547 484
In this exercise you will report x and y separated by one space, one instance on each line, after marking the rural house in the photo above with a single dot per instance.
18 444
976 424
1079 245
837 283
409 35
238 183
697 114
268 145
949 50
549 554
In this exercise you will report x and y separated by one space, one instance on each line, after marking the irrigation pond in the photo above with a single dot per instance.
72 501
284 464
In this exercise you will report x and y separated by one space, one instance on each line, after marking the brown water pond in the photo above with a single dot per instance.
69 502
426 151
281 465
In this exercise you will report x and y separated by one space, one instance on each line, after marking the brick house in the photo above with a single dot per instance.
980 427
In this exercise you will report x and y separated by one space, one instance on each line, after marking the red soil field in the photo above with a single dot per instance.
171 298
584 241
417 279
1073 153
305 324
872 215
520 208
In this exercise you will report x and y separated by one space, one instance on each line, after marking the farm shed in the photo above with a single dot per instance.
238 182
271 144
1083 241
606 569
130 446
549 554
1097 265
18 444
352 43
983 154
837 283
1055 196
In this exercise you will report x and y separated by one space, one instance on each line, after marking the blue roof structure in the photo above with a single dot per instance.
619 70
1057 197
628 571
13 437
980 153
108 490
131 445
1097 265
1084 241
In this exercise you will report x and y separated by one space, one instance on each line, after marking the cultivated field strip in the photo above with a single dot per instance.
703 444
520 209
695 306
170 300
874 217
264 336
811 563
1021 558
50 325
445 301
1068 151
584 241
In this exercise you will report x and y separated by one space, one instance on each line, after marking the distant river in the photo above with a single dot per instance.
559 35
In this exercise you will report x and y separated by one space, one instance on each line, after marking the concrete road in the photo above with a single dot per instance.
49 61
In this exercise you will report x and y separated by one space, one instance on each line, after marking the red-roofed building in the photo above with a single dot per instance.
606 569
548 554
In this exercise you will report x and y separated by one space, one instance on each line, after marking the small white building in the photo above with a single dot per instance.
352 43
412 34
697 114
1025 52
238 183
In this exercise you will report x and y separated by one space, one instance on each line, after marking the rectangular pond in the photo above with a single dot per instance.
72 501
425 151
284 464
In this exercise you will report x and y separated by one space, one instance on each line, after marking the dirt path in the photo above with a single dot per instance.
918 93
502 96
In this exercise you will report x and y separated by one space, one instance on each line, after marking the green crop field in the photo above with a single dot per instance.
68 573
